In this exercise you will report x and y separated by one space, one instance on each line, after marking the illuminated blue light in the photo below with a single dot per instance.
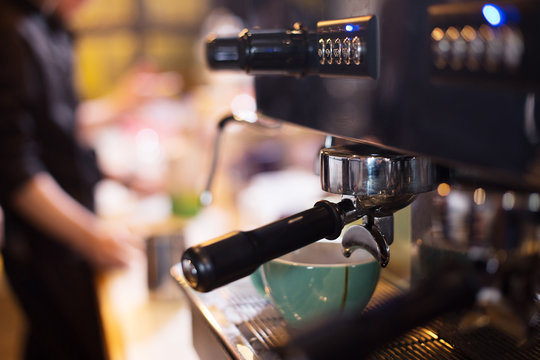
349 27
493 15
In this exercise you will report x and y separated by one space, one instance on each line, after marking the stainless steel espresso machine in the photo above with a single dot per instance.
429 105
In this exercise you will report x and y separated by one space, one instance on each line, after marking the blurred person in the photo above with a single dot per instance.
54 243
1 228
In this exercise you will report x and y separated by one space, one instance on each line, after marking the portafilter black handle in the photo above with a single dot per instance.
220 261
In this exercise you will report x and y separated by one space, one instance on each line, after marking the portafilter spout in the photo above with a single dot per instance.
370 187
380 182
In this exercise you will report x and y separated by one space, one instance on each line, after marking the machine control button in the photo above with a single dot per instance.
329 51
483 43
494 48
483 49
476 47
346 50
349 46
440 48
459 48
357 50
321 52
337 51
514 47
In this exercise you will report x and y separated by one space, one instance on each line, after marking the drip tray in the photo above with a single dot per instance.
245 325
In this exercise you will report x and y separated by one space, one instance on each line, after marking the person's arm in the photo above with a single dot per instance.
25 185
48 207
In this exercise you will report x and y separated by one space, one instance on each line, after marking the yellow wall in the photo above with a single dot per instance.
114 34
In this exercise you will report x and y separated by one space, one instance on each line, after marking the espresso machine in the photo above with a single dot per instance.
428 106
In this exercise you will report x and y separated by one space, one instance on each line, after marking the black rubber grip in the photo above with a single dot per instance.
225 259
283 52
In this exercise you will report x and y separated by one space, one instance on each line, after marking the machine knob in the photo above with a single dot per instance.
292 51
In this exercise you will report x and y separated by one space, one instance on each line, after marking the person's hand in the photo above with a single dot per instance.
112 247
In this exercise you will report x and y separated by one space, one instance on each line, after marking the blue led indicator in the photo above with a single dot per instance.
349 27
493 15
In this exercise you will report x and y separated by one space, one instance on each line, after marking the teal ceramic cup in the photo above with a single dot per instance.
257 281
318 281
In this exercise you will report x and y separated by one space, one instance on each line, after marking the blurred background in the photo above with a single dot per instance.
146 58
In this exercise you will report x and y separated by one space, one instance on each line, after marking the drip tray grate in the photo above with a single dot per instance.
262 328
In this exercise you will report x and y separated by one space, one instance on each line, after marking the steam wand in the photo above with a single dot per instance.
206 196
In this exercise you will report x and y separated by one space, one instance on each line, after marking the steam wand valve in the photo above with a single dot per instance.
206 196
235 255
287 52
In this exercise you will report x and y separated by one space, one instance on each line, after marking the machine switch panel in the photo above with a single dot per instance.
348 47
